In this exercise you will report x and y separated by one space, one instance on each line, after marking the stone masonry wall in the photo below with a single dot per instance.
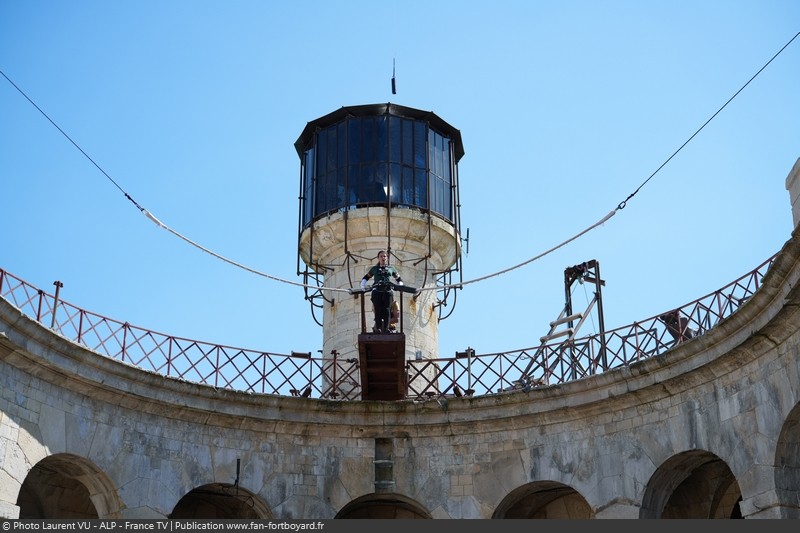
732 392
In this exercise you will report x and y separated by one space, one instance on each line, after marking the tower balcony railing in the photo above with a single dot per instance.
335 378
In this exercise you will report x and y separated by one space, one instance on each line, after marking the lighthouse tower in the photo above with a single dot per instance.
379 177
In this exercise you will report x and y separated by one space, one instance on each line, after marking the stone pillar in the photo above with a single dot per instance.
793 186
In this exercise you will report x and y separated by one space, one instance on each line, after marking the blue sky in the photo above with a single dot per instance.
564 107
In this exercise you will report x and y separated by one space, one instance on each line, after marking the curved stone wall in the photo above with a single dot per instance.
709 429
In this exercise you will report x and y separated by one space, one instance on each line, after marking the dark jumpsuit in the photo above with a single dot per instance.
382 294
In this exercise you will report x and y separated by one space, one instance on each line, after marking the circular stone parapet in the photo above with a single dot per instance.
329 239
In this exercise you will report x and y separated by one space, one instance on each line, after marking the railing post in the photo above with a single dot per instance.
80 325
334 353
169 358
470 353
124 340
264 373
39 307
363 315
58 285
216 368
310 388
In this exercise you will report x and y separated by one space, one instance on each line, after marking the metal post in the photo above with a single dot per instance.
600 320
125 342
363 316
58 285
470 351
335 365
39 307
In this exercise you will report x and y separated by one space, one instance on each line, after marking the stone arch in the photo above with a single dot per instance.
787 464
544 499
383 506
692 484
221 501
65 486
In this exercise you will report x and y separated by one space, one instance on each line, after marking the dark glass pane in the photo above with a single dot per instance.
395 138
408 186
322 153
319 195
408 142
446 203
364 183
342 198
420 160
421 188
319 190
354 182
368 140
395 186
396 180
374 186
444 193
448 164
439 155
354 140
431 148
432 191
371 185
341 139
382 143
308 176
332 149
441 198
382 178
331 192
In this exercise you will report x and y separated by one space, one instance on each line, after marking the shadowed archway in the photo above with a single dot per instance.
67 486
544 499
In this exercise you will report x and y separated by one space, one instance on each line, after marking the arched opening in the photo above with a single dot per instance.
383 506
220 501
67 486
694 484
544 499
787 463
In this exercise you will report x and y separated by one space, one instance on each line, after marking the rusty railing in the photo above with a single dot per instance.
301 374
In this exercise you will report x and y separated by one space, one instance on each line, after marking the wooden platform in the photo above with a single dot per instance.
383 366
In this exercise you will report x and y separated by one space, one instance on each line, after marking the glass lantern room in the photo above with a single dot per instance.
378 155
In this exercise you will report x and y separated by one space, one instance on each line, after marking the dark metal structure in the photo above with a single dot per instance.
586 272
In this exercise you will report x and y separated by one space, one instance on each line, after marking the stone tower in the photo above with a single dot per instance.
379 177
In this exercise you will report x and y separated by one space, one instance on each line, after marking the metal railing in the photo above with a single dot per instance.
300 374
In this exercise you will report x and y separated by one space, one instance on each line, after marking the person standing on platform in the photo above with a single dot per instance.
382 294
